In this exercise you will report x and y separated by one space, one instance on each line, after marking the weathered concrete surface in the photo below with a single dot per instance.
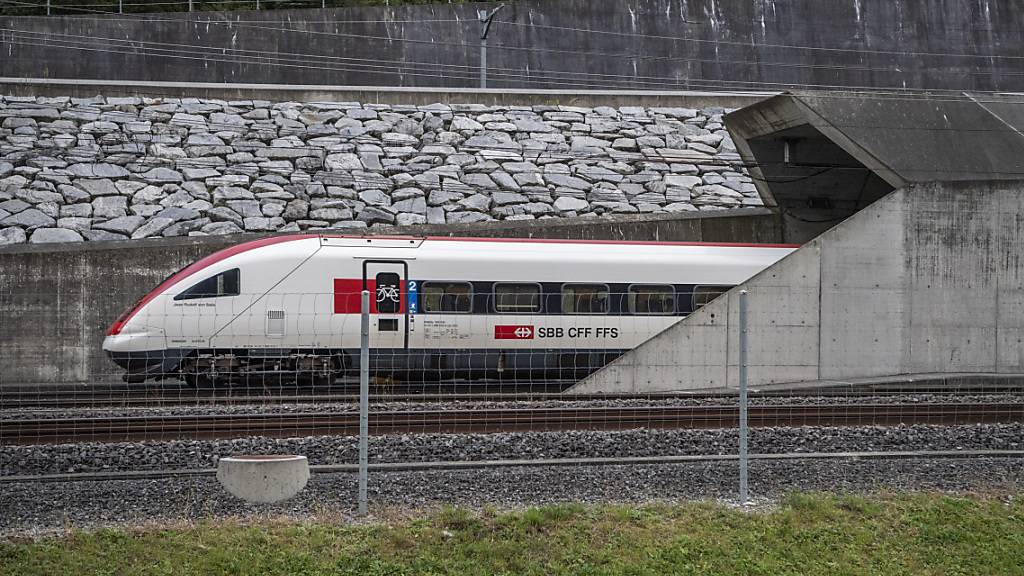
929 279
263 478
654 44
822 156
57 301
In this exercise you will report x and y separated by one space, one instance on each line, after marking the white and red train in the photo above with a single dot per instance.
440 307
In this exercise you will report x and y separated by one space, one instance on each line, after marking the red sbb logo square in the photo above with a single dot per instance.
513 332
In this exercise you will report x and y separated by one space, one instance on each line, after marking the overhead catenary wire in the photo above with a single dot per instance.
719 41
685 20
631 81
88 9
635 78
643 36
531 76
527 155
517 149
29 41
534 78
250 24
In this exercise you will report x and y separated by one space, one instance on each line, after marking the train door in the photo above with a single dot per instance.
386 282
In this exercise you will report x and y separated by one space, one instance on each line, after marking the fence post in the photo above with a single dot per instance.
189 5
364 399
48 7
743 397
120 6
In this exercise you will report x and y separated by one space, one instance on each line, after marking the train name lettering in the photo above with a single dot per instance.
578 332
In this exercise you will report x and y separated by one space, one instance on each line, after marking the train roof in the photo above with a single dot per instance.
550 241
355 240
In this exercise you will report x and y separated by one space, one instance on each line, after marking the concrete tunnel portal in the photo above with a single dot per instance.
905 205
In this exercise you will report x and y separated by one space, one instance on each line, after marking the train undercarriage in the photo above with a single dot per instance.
205 368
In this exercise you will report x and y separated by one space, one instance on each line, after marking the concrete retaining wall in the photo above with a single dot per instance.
57 301
644 44
928 280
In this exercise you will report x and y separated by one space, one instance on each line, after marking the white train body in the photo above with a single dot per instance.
440 307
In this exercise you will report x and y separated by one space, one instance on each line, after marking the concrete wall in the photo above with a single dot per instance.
653 44
929 280
57 301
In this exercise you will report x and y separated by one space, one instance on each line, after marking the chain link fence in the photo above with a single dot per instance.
460 374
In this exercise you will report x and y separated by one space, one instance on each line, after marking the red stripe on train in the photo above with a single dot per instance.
348 296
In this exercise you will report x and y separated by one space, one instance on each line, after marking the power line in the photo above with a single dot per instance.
655 155
531 76
632 79
753 45
645 37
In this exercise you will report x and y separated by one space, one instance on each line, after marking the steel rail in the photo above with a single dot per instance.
219 426
42 399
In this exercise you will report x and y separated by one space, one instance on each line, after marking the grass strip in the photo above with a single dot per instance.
917 533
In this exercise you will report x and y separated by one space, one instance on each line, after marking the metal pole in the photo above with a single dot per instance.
485 27
483 63
257 4
189 5
48 7
364 400
120 6
743 397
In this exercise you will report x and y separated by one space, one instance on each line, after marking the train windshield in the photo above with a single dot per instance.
226 283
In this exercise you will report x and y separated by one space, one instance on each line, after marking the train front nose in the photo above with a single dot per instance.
141 353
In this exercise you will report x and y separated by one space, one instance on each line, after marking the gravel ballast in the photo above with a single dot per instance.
37 508
102 457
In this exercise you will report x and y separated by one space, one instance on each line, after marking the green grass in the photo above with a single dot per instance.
804 534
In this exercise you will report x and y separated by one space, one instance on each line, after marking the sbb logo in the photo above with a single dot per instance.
513 332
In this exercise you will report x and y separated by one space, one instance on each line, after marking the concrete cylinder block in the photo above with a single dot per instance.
263 478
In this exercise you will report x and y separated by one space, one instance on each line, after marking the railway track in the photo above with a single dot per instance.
178 396
144 428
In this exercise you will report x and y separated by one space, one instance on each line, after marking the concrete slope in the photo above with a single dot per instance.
930 279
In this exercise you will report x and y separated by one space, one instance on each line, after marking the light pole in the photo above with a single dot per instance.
485 26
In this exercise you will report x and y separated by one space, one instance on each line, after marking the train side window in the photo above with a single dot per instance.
585 299
652 299
226 283
517 298
704 294
450 297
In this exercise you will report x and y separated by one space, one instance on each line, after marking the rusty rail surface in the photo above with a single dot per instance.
165 427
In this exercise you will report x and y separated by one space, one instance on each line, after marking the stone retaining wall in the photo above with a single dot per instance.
74 169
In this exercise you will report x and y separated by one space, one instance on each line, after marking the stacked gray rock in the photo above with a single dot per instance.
74 169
